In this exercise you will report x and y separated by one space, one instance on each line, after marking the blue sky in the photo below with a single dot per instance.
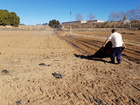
33 12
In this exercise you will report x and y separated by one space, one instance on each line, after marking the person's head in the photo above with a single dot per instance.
113 30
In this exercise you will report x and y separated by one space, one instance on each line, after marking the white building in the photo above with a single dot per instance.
74 22
95 21
91 21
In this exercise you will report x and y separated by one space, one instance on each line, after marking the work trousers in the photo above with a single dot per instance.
116 52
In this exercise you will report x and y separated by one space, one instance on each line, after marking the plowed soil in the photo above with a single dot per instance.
40 68
90 42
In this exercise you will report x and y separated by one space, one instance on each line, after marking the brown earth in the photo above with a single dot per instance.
90 42
31 60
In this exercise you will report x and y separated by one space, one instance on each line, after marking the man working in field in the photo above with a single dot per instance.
117 43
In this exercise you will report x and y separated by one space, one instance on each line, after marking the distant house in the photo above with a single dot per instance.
91 21
74 22
95 21
126 22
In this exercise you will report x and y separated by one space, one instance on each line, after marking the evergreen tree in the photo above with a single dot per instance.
9 18
54 23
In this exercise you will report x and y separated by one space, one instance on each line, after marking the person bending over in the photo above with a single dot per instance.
117 44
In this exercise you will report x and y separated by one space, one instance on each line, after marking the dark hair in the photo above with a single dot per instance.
113 30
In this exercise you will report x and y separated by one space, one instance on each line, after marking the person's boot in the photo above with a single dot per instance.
119 62
112 60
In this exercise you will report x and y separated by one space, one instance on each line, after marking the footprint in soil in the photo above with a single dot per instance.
18 102
5 71
99 102
57 76
43 64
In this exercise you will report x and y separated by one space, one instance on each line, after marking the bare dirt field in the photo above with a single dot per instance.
39 68
90 42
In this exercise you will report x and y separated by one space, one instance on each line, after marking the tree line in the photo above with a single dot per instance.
133 14
115 19
130 15
9 18
79 17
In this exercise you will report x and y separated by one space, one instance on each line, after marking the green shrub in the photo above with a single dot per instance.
9 18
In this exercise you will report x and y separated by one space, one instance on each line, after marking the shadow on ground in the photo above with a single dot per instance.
90 57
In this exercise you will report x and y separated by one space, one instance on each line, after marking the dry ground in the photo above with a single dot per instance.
92 41
82 82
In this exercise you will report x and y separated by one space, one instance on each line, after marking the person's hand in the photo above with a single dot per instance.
103 45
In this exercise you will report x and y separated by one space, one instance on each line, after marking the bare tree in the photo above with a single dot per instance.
122 16
91 17
138 13
113 16
131 14
79 17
